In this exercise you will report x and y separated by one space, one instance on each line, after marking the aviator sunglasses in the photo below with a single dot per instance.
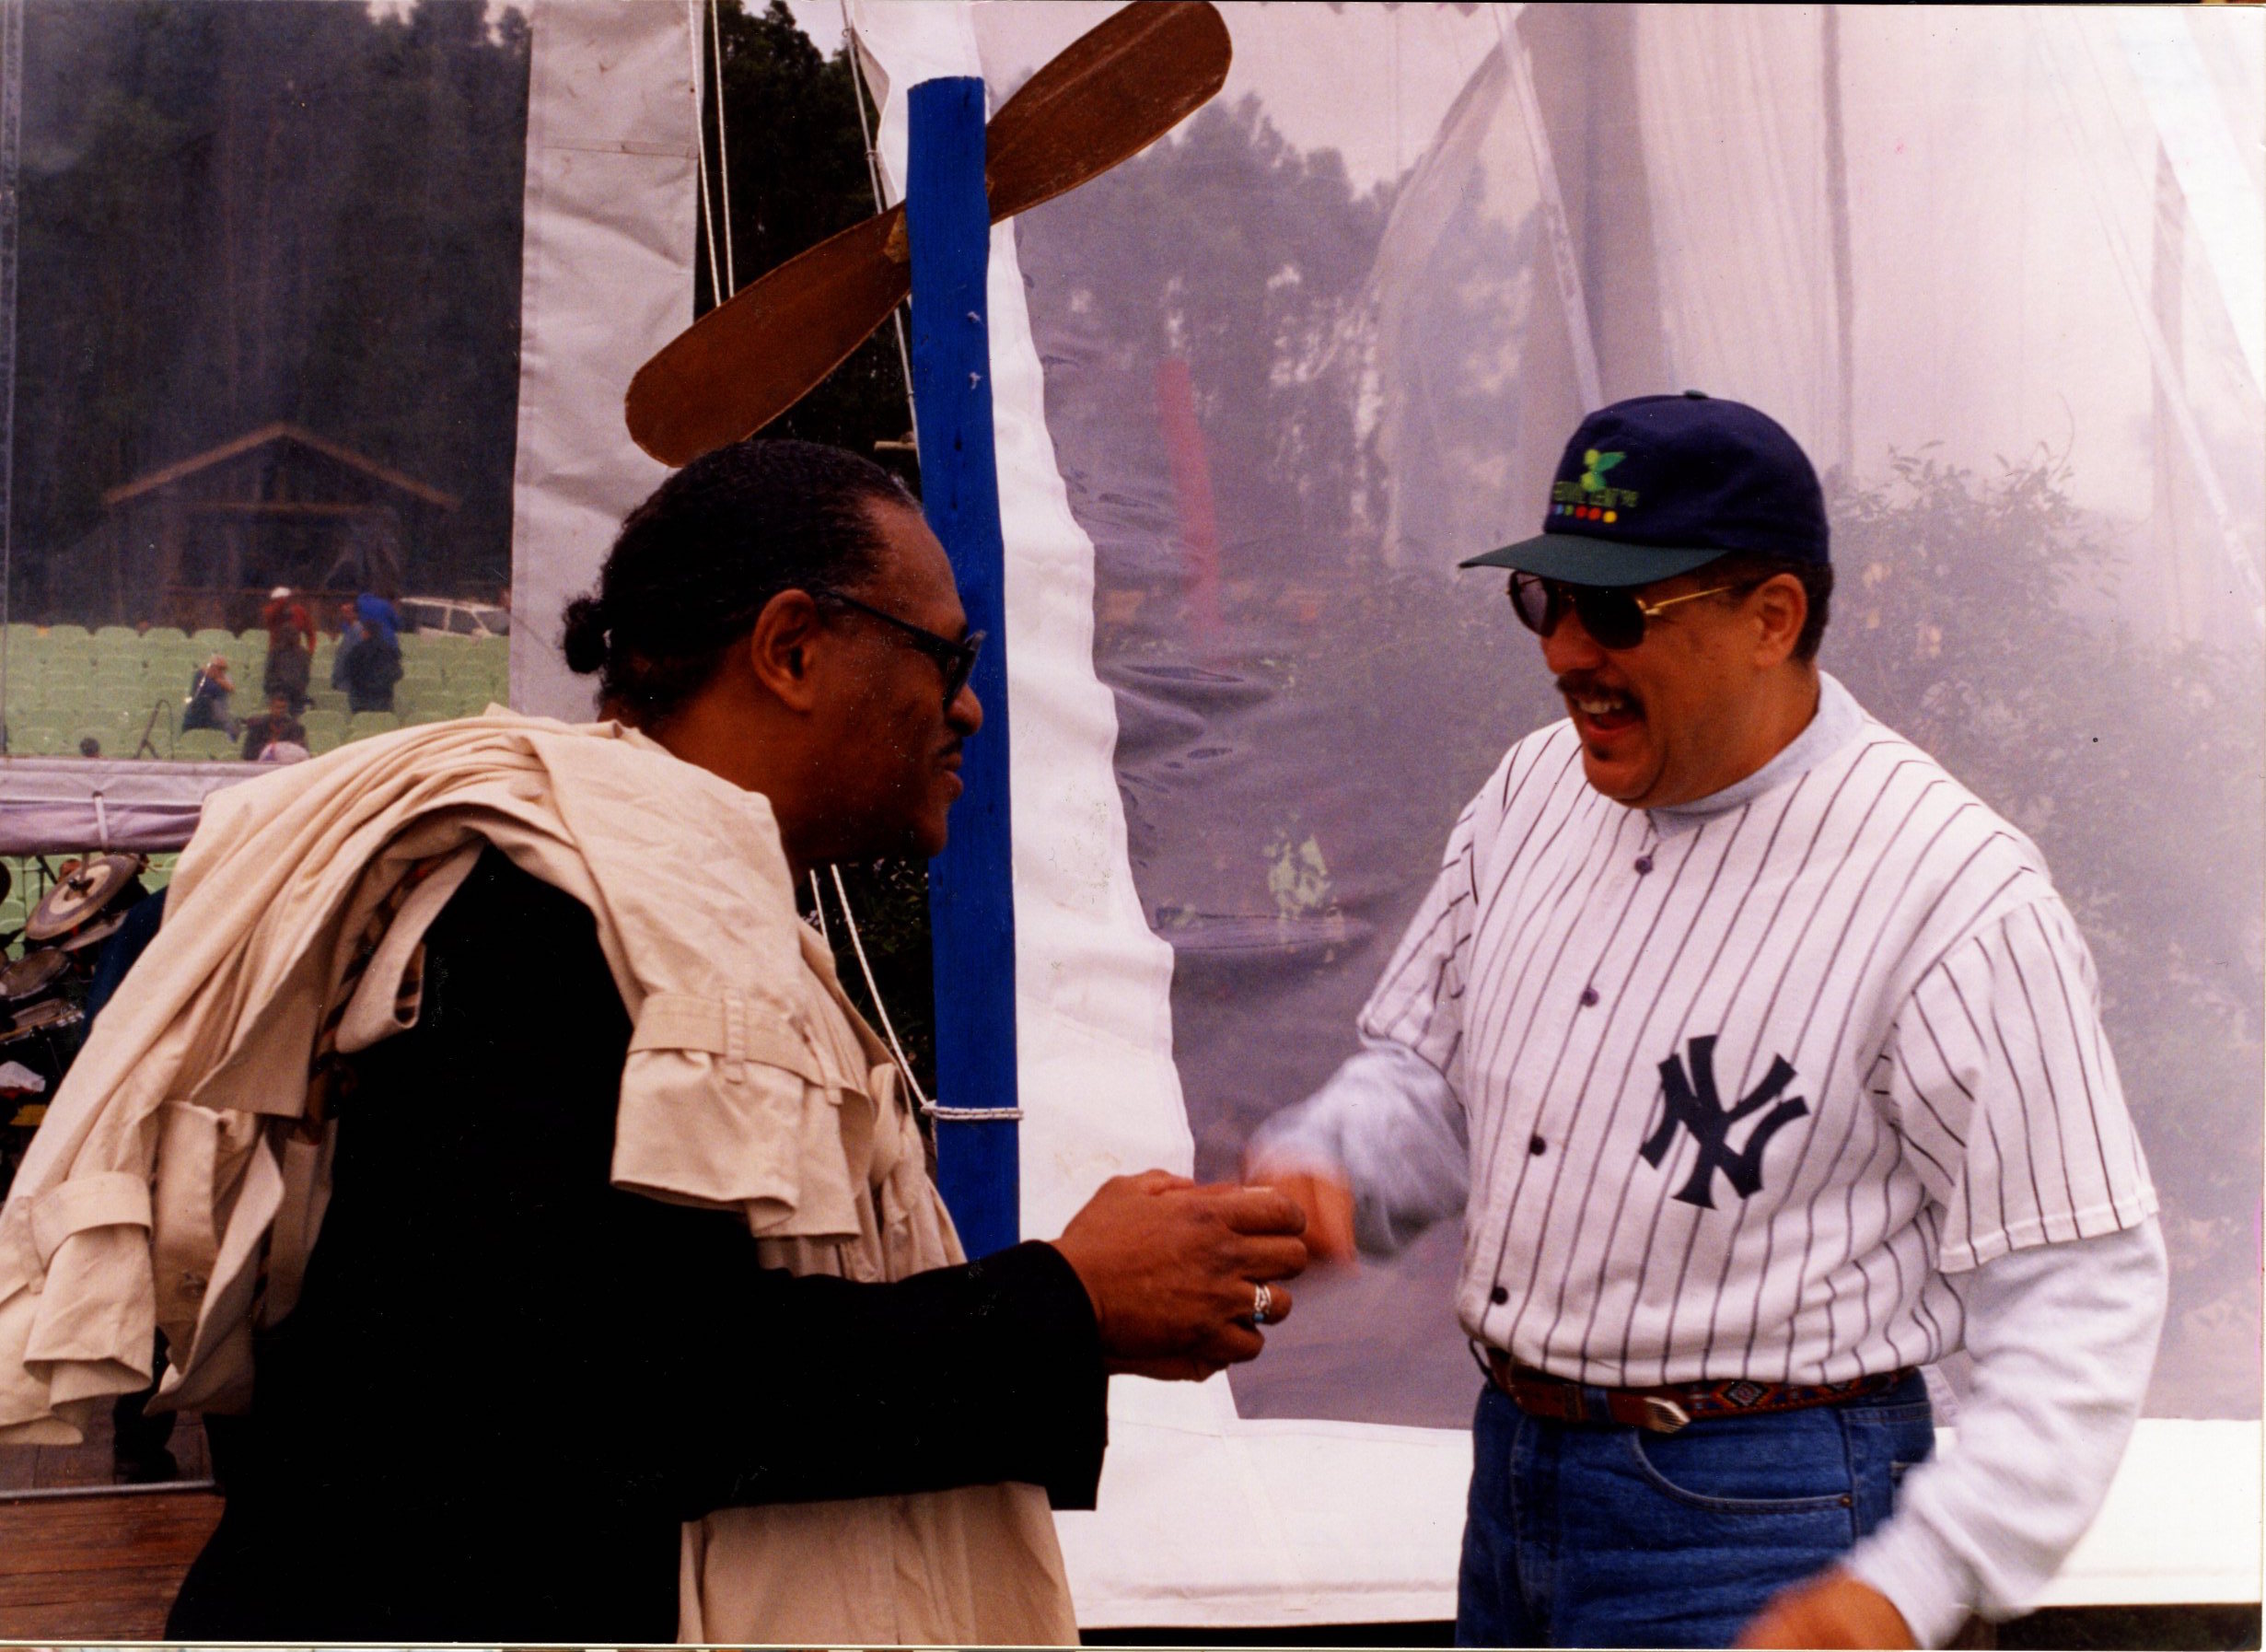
956 660
1613 615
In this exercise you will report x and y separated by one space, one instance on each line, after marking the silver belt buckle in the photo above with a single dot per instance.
1663 1415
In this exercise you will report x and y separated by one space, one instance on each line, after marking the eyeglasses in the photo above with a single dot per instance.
1613 615
956 660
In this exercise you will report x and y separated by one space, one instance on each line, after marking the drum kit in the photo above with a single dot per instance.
42 992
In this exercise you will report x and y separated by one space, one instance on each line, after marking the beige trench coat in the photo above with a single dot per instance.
172 1184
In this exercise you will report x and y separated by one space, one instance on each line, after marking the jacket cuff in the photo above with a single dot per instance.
1067 1382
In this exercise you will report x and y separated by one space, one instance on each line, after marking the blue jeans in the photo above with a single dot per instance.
1589 1535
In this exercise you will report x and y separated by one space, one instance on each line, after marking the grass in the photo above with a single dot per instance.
66 684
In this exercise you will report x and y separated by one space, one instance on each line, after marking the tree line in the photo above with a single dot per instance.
235 214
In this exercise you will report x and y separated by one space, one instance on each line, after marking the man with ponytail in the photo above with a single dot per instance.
591 1274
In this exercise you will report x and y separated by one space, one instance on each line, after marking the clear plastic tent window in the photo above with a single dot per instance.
1329 338
266 279
2000 271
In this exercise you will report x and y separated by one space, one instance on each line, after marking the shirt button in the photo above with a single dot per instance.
1589 997
1499 1295
1643 865
1537 1145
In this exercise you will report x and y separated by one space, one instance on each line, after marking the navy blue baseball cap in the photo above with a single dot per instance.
1659 486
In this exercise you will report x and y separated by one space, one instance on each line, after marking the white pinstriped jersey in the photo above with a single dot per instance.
1738 1096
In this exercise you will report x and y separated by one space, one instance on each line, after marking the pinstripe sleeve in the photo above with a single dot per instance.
1388 1120
1418 1002
2003 1088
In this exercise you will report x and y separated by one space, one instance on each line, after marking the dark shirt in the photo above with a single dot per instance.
207 706
371 668
145 911
506 1382
264 730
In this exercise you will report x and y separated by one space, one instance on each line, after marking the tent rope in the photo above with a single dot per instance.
818 911
858 944
700 151
724 152
858 93
873 172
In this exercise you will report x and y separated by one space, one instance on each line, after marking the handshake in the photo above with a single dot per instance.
1182 1275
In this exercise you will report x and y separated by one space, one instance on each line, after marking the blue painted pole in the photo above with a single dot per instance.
971 884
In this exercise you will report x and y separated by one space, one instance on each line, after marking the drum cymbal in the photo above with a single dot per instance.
81 896
34 973
94 934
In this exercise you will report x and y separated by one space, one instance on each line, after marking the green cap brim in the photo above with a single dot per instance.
1578 559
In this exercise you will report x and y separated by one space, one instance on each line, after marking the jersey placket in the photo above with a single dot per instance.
1625 899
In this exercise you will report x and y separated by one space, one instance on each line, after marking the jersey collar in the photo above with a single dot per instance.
1833 726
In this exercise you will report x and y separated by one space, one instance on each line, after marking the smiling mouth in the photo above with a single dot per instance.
1602 711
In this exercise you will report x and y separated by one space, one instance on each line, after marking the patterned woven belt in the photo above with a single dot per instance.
1666 1409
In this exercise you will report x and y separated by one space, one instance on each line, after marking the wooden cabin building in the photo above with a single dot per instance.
201 543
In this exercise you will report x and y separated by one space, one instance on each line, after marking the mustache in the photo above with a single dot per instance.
1590 682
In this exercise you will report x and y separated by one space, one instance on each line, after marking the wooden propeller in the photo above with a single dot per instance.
1110 93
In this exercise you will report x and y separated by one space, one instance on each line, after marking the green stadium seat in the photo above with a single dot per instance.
362 724
326 731
33 736
203 745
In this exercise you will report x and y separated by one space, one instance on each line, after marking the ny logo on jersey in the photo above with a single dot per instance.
1692 1104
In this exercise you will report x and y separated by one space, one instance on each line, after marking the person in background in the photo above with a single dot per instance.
207 705
89 747
291 646
379 616
279 724
349 635
375 664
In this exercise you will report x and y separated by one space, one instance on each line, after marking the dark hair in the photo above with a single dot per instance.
1751 568
694 565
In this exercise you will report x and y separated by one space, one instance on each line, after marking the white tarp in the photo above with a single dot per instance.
1976 226
52 805
606 279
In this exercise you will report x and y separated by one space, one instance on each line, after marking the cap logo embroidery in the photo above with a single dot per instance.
1589 498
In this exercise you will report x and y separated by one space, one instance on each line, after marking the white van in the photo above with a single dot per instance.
446 616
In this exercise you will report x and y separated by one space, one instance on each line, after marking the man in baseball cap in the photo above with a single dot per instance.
1764 1066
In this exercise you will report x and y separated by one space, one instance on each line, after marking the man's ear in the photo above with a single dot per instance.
780 649
1781 608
